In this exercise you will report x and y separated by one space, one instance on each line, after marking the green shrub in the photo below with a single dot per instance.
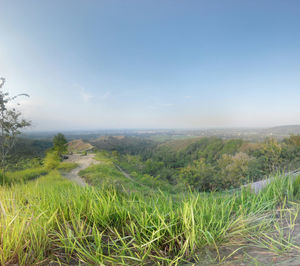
23 175
296 187
67 166
59 143
52 160
4 179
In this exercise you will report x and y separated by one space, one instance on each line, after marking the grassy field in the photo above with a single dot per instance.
53 220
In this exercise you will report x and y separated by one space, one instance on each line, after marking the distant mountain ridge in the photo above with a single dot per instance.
110 138
283 130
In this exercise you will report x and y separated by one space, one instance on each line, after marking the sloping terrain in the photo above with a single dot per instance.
123 144
179 144
283 131
115 221
78 145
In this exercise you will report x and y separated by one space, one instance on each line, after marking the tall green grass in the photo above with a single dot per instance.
22 175
66 166
53 220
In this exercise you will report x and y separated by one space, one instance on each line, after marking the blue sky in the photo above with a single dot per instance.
153 64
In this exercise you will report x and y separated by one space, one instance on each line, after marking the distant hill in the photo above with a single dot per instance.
78 145
179 144
283 130
126 144
28 149
112 139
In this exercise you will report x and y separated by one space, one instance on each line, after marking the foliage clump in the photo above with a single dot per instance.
211 163
59 144
52 160
11 123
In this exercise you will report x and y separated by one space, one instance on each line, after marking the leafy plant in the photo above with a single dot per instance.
52 160
59 143
11 123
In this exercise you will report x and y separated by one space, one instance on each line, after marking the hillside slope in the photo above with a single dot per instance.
78 146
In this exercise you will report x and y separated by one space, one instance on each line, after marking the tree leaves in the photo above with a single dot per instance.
11 123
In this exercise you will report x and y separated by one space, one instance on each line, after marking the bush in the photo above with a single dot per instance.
199 175
233 169
296 187
23 175
67 166
52 160
59 143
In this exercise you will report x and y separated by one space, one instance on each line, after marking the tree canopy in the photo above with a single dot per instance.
59 143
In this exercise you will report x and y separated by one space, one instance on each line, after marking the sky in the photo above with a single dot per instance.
152 63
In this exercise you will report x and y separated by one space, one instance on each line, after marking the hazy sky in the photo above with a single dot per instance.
153 64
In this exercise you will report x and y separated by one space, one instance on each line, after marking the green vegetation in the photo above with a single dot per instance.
208 163
53 220
59 143
108 173
52 160
11 122
66 166
23 175
104 173
36 168
154 213
27 152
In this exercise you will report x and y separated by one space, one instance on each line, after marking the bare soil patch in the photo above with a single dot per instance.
83 162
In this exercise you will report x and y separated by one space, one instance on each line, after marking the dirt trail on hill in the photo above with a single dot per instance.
124 173
83 162
129 177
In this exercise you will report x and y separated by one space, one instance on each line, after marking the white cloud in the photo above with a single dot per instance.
167 104
86 96
105 95
159 106
153 107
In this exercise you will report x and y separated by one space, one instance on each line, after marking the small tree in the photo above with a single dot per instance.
11 123
295 140
199 175
272 154
52 160
59 143
233 169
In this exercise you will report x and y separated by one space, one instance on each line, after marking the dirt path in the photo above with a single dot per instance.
83 162
124 173
129 177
